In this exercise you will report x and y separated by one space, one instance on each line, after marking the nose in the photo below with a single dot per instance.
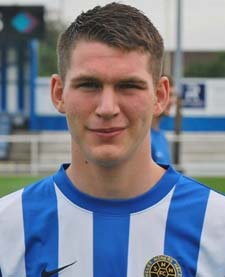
108 106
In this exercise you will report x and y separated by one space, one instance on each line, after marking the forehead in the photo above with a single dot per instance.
93 57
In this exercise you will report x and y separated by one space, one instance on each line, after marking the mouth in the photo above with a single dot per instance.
108 132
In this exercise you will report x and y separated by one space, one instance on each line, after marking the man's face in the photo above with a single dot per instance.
109 100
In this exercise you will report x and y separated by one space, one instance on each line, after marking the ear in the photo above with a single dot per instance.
161 96
57 92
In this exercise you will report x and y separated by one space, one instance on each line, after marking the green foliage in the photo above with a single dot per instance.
208 69
47 49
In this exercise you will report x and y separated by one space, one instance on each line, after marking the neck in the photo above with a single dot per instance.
125 180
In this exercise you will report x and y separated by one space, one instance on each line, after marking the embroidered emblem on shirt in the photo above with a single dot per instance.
162 266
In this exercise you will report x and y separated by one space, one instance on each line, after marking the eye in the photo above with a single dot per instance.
130 85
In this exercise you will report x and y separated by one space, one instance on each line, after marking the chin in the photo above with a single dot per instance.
107 158
107 163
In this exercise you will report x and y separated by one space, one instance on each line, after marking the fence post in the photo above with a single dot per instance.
34 165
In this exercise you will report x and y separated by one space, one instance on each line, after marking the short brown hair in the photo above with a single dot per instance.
117 25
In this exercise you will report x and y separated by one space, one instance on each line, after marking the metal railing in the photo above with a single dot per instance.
201 154
35 153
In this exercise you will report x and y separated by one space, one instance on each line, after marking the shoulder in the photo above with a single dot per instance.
14 201
11 221
192 181
40 187
201 202
14 206
10 200
196 188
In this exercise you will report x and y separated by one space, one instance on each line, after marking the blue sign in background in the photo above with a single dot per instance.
193 96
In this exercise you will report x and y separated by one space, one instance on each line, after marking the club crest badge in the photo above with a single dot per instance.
162 266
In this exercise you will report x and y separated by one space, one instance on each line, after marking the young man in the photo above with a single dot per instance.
160 147
113 211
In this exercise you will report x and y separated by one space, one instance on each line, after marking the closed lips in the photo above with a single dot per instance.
107 130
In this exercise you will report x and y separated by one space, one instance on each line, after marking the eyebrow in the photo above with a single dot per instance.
86 78
81 79
133 80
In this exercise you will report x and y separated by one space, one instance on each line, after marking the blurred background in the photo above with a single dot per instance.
33 137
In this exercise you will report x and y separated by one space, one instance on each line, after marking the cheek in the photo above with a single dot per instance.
140 109
77 106
147 104
76 114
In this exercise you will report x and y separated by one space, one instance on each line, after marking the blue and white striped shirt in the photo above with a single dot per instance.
176 228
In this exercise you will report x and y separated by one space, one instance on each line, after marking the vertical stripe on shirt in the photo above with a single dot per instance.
40 227
147 233
184 225
12 246
75 238
211 261
109 232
